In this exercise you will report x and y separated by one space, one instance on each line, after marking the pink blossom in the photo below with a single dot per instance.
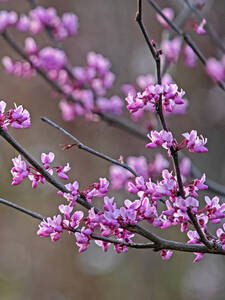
162 138
190 57
66 210
118 177
113 105
31 47
70 22
169 94
194 143
47 159
73 188
200 28
166 254
20 170
17 68
61 171
83 239
23 24
76 219
172 48
214 210
36 178
169 13
52 59
221 236
19 117
215 69
51 227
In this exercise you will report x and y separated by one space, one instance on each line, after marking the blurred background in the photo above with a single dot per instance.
34 268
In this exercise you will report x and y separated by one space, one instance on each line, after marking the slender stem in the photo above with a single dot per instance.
88 149
174 153
22 209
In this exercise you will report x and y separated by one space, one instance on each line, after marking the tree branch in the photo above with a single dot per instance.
88 149
174 153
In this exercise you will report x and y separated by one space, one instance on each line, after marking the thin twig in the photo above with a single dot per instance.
185 37
88 149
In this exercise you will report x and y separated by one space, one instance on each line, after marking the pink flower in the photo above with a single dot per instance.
215 69
76 219
19 117
169 13
113 105
36 178
61 171
171 49
31 47
194 143
190 57
162 138
166 254
200 28
66 210
221 236
20 170
73 188
47 159
52 59
70 22
51 227
83 239
23 23
214 210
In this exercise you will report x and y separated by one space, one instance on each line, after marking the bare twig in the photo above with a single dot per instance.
88 149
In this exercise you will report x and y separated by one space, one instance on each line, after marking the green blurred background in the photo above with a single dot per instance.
34 268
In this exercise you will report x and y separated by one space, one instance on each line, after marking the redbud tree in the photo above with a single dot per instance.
162 193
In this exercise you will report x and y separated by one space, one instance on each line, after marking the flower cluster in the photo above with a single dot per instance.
112 221
21 170
87 87
165 139
17 118
120 177
168 93
38 19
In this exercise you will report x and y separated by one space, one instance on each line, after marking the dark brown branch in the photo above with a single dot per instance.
164 244
174 153
88 149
